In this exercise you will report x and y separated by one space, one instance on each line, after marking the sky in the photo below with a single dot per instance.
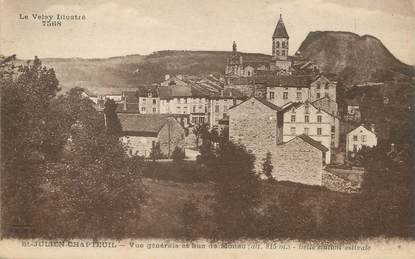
116 28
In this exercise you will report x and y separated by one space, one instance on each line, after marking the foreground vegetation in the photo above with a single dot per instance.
65 174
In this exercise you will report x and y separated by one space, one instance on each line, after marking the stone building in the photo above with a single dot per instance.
234 64
176 99
281 90
142 131
305 118
220 104
321 87
256 124
360 137
299 160
280 47
149 102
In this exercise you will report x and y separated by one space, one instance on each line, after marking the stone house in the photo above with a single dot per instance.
174 80
360 137
221 103
284 89
321 87
142 131
175 99
256 124
331 107
149 102
299 160
305 118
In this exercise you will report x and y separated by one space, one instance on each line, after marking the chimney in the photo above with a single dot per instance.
125 104
167 77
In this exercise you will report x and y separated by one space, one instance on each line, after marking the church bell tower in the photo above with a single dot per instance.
280 40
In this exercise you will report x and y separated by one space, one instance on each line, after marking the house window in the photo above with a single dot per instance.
326 86
307 118
278 44
333 129
271 95
285 96
364 138
326 94
318 85
278 52
307 109
318 95
154 101
216 108
144 100
298 88
319 131
193 119
292 118
194 109
154 110
319 118
178 108
354 137
299 95
292 130
306 130
201 120
143 109
283 52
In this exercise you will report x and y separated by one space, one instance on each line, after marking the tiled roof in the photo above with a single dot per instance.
142 123
313 142
280 31
264 102
174 91
290 105
130 96
127 108
287 80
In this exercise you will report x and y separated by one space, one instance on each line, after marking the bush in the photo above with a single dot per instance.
178 154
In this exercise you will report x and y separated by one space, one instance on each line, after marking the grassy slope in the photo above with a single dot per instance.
162 212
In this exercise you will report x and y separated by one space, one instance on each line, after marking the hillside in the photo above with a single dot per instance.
355 58
113 74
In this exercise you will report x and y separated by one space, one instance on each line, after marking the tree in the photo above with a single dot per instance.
207 154
111 119
197 131
178 154
26 94
267 166
236 192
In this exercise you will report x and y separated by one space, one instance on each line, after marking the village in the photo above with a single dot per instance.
285 107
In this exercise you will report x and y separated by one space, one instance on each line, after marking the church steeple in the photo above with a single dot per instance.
280 41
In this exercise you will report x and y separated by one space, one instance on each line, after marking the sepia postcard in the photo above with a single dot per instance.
208 129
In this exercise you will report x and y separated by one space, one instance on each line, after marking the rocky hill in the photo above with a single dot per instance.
354 58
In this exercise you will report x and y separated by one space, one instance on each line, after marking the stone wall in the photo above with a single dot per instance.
138 145
297 161
339 184
254 125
